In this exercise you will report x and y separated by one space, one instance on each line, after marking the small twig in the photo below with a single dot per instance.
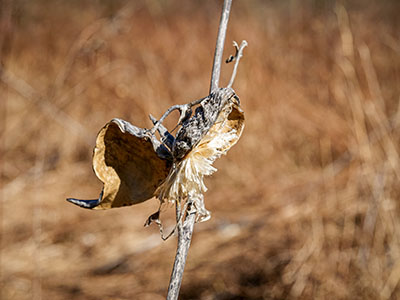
219 48
156 219
183 109
159 122
232 57
237 57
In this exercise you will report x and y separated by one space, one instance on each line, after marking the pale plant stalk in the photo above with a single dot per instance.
186 224
185 232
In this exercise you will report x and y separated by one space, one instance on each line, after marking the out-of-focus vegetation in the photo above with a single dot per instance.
305 206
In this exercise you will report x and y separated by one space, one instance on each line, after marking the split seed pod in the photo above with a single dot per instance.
134 166
130 162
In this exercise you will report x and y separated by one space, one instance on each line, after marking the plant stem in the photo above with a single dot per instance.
219 48
185 231
186 224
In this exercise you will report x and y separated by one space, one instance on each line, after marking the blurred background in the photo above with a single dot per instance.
305 206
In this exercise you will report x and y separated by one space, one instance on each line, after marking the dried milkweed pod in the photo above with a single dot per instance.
215 127
134 166
130 162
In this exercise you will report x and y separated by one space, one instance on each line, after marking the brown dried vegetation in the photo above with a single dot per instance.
305 206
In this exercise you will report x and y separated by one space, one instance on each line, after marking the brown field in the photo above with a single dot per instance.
305 206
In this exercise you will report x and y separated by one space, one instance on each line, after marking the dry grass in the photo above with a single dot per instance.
305 206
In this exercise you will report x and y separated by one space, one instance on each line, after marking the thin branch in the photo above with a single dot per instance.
216 69
185 229
237 57
219 49
185 232
156 219
183 109
170 110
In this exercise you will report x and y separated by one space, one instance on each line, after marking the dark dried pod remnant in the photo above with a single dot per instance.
194 128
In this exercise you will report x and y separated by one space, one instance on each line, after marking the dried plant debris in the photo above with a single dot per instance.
130 162
215 127
135 166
